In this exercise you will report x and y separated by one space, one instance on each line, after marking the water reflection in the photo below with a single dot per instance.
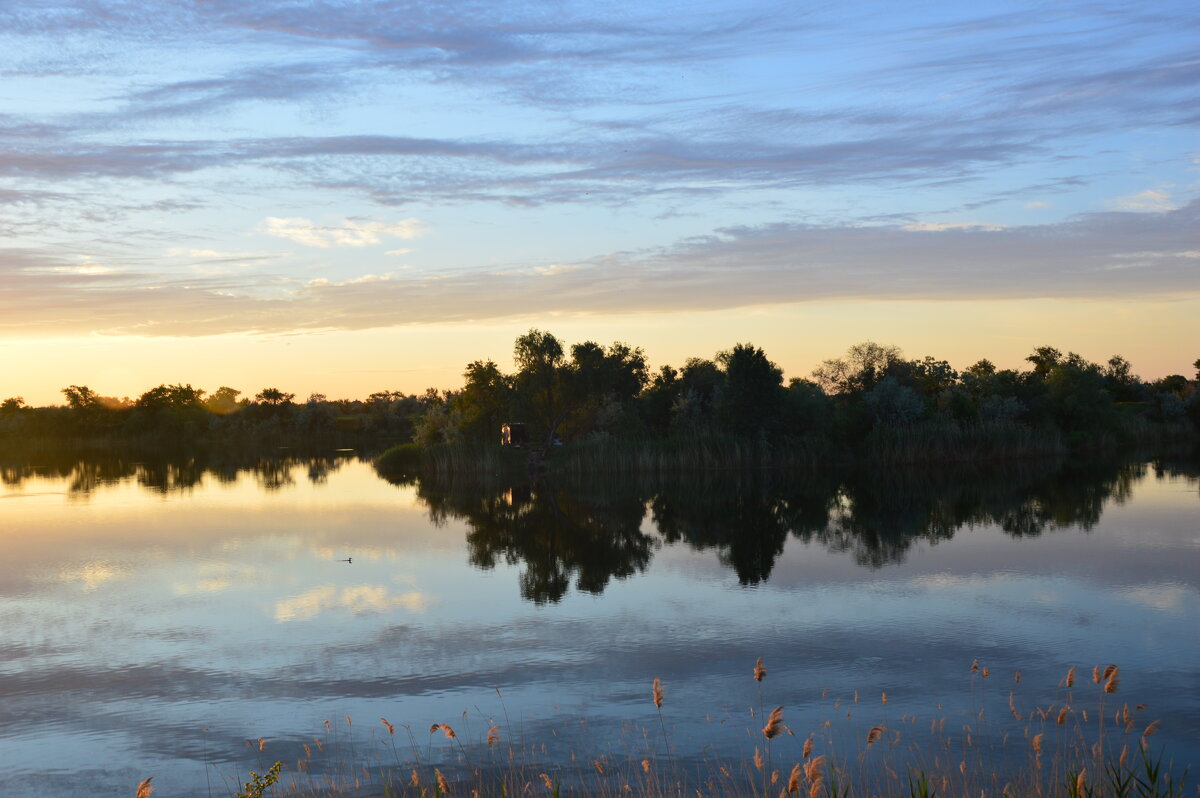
166 471
595 532
553 533
160 608
587 533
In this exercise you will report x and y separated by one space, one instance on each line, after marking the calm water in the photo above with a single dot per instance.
157 615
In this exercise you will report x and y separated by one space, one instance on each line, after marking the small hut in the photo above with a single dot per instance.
513 434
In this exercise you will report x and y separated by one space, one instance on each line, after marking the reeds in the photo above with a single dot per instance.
1047 749
952 442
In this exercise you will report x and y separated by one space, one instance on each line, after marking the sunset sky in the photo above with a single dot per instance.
350 197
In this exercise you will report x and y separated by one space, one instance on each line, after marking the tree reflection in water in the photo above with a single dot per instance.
166 471
553 532
598 531
587 533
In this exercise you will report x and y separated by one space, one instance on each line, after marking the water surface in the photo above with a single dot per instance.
158 613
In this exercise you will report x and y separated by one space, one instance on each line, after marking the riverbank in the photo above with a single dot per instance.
933 444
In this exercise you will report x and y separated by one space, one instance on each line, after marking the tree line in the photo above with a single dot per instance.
592 392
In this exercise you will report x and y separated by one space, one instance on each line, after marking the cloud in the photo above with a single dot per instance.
732 267
92 575
940 227
1152 199
346 234
358 600
1030 206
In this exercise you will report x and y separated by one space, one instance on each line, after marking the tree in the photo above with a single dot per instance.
223 401
541 380
12 406
170 397
274 397
1120 380
753 389
81 397
931 377
864 365
893 404
658 397
484 401
1044 358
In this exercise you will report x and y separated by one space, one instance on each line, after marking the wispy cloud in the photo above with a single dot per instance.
1152 199
348 233
887 134
733 267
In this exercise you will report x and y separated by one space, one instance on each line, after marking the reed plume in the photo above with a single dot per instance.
774 724
441 782
759 670
793 784
646 765
885 699
657 693
874 734
144 789
1149 732
1071 677
812 769
1037 744
493 736
758 760
1081 782
391 729
1112 679
1062 716
808 747
1096 674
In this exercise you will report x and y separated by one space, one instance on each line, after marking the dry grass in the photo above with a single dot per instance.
1059 741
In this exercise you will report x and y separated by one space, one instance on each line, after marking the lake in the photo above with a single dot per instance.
163 614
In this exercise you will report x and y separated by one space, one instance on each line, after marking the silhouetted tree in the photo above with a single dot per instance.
753 394
274 397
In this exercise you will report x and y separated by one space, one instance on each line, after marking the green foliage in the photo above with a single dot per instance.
259 784
753 392
405 458
920 788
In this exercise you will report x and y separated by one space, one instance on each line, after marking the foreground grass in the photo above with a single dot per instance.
1086 742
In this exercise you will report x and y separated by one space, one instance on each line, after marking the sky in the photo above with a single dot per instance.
351 197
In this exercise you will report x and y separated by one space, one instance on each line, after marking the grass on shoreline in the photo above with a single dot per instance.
1081 741
925 444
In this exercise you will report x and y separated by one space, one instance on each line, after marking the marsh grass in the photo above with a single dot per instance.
688 454
1076 739
951 442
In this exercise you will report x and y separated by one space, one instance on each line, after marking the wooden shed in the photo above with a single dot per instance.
513 434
